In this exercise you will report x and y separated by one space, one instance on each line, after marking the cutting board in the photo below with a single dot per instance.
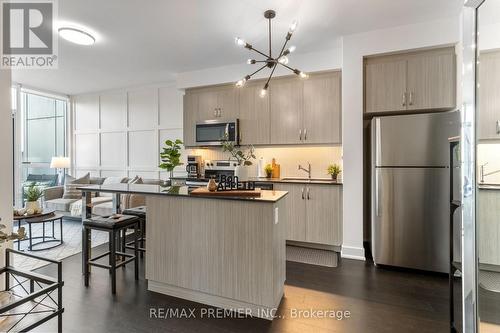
232 193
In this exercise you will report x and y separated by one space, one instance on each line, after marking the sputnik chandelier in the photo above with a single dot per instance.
270 61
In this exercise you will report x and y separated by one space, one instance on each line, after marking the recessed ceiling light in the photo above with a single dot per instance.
76 36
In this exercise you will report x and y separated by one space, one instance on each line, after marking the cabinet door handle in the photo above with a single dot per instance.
305 134
302 193
300 134
215 112
411 97
498 126
404 99
219 112
308 194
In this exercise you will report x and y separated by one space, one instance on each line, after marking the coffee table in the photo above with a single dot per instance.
47 216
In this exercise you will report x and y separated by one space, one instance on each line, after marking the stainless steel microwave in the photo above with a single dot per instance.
213 132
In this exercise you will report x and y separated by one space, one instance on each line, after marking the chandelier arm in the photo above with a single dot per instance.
270 75
283 48
290 68
258 70
262 53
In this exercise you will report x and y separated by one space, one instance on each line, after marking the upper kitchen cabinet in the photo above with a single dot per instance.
306 111
286 110
424 80
219 102
431 80
385 85
322 108
488 96
190 114
254 115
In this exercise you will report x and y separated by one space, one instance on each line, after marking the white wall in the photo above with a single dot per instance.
118 133
6 172
354 48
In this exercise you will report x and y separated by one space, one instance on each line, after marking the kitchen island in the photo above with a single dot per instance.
227 252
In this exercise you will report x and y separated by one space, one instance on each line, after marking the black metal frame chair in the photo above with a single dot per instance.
41 297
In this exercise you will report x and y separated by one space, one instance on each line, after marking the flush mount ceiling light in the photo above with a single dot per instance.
270 61
76 35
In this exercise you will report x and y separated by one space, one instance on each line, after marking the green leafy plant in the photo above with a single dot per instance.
5 237
269 170
242 157
171 156
333 170
33 192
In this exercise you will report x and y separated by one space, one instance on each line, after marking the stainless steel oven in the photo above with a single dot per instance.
213 132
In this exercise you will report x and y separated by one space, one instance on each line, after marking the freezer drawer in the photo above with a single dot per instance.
410 218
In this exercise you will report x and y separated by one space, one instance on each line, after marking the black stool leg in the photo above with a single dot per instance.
18 241
112 255
143 235
136 250
123 244
31 236
86 254
43 231
53 234
60 225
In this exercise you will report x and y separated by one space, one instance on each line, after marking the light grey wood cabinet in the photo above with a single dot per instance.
322 108
207 104
254 115
324 214
217 102
314 214
295 216
306 111
385 85
488 221
286 110
431 80
190 114
489 96
423 80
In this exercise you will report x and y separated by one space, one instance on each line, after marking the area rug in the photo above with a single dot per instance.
489 280
311 256
72 237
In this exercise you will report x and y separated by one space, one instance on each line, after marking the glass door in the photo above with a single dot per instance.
41 135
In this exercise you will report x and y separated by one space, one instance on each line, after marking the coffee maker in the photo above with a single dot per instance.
193 166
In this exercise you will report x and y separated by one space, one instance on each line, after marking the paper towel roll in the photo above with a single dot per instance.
260 168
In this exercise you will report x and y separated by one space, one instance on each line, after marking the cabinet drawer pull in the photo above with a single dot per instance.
215 112
302 193
300 135
308 194
404 99
498 126
305 134
411 98
219 112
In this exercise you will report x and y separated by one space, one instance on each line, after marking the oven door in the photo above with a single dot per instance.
213 132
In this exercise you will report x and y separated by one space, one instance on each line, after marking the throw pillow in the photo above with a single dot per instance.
71 184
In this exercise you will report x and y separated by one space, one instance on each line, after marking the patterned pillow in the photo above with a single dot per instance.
70 191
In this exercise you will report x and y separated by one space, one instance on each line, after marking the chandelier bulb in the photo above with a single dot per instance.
263 91
293 26
239 84
303 75
251 61
239 41
292 48
283 60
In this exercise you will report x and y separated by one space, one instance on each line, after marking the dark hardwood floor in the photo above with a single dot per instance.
378 299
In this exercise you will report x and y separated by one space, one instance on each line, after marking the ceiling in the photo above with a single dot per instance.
143 42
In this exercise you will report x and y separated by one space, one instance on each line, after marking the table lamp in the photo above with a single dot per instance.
60 163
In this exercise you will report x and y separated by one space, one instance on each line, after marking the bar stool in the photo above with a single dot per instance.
140 212
114 226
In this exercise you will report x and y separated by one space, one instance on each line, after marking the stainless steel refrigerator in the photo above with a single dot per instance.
410 189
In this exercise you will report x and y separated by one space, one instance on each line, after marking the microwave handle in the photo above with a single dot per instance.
226 132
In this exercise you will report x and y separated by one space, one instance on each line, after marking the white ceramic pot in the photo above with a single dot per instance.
35 205
241 171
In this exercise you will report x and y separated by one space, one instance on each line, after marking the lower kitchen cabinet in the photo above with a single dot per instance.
488 226
315 214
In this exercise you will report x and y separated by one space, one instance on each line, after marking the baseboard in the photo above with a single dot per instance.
314 246
350 252
233 305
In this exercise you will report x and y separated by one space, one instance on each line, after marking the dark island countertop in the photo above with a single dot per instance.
179 191
488 186
296 180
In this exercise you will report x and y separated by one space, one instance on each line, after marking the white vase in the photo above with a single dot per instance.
35 205
241 171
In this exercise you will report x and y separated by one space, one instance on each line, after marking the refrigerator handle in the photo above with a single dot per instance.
377 195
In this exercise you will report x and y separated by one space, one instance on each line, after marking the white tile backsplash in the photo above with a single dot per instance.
489 153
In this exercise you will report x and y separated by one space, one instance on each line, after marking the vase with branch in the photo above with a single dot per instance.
243 158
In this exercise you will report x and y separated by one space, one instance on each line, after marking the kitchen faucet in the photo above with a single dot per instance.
482 174
306 170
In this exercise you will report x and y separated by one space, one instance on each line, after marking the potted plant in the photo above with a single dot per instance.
171 156
333 170
242 158
33 194
268 169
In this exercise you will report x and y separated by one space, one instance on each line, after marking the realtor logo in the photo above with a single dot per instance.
28 35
